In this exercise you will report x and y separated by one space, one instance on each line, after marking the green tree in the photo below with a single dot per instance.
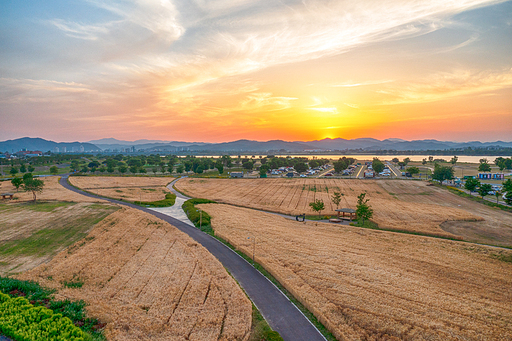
407 160
33 185
75 165
248 165
313 163
162 167
54 170
199 169
471 184
188 166
497 194
102 169
154 169
508 197
395 160
220 166
442 173
17 182
336 199
484 167
377 165
484 189
507 186
363 210
180 169
31 168
454 160
430 159
301 167
122 169
110 169
413 170
23 168
13 171
317 206
401 164
424 162
134 169
84 169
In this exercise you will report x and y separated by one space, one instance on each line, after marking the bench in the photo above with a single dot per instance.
5 195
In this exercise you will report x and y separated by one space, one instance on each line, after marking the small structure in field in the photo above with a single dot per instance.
346 213
237 174
7 195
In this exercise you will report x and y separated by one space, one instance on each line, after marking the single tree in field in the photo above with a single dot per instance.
162 167
363 210
484 189
317 206
17 182
424 162
31 168
407 160
442 173
33 185
23 168
395 160
180 169
54 170
413 170
220 166
336 199
484 167
13 171
430 159
471 184
454 160
497 194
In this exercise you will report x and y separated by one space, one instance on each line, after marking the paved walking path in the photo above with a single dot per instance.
281 314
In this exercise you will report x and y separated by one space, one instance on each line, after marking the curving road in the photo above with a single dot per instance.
281 314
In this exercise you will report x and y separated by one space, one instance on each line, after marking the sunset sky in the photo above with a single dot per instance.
214 71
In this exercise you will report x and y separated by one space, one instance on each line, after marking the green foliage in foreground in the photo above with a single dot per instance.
193 213
170 199
43 297
20 320
260 328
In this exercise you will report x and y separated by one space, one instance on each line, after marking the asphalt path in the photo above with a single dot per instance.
281 314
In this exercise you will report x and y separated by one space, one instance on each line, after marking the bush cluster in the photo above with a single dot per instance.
170 199
20 320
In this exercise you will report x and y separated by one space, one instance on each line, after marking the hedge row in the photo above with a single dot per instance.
193 213
21 321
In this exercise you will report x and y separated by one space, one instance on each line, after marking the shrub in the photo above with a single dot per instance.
193 213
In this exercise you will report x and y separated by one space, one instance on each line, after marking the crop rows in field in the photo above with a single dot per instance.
292 196
149 281
377 285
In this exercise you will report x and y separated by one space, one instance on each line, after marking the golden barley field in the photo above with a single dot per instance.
32 233
52 190
132 188
149 281
292 196
376 285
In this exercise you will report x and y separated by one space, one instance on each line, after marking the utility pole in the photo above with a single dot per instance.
200 218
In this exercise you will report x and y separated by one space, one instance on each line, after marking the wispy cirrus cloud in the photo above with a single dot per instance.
444 85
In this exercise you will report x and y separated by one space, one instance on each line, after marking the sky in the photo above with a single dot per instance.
216 71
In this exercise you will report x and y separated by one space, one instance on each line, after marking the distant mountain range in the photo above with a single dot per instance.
244 146
43 145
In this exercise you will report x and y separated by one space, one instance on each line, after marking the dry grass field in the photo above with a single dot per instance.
399 205
32 233
149 281
376 285
52 191
133 188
